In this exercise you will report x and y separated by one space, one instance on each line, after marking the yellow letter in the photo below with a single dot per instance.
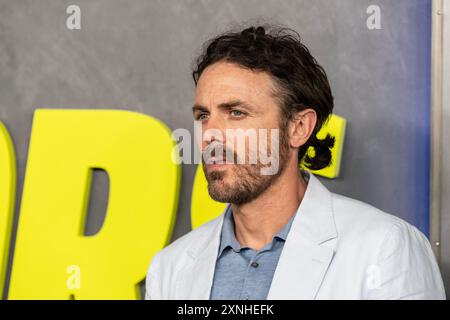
335 126
65 146
204 208
7 194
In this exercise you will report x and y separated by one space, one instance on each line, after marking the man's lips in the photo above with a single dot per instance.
216 163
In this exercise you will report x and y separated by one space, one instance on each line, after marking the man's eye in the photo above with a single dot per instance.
201 116
237 113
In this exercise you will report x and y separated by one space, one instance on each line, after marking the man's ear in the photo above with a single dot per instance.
301 126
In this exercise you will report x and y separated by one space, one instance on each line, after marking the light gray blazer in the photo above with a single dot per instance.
337 248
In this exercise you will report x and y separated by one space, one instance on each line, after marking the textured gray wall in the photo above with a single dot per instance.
137 55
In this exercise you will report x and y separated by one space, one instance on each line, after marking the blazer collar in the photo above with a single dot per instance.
314 220
308 250
303 261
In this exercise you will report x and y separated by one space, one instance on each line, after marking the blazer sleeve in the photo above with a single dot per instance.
152 285
405 267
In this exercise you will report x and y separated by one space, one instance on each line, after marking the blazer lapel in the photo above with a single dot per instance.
195 280
308 250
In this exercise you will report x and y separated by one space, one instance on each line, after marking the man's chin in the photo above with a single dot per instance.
217 191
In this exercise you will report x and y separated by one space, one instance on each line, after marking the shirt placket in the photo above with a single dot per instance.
252 267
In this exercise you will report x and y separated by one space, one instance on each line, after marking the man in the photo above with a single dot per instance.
283 235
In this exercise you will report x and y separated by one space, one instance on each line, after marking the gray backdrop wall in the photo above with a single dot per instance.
137 55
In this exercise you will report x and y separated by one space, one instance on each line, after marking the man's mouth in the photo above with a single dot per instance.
216 162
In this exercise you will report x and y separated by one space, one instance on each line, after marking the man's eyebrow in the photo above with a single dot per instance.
225 105
198 107
234 103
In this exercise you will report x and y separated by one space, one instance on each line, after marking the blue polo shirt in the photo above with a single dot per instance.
242 273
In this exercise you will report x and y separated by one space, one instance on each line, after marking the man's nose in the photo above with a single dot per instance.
214 129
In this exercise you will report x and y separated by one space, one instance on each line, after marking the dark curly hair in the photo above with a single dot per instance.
301 82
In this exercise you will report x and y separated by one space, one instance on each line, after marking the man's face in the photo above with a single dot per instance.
230 98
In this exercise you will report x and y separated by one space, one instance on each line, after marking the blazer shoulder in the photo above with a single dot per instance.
394 251
365 221
191 242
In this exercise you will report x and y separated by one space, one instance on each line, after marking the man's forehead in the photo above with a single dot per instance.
230 74
220 85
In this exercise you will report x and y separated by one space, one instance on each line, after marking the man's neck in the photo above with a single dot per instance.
256 222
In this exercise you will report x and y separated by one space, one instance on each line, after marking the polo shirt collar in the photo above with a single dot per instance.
228 237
